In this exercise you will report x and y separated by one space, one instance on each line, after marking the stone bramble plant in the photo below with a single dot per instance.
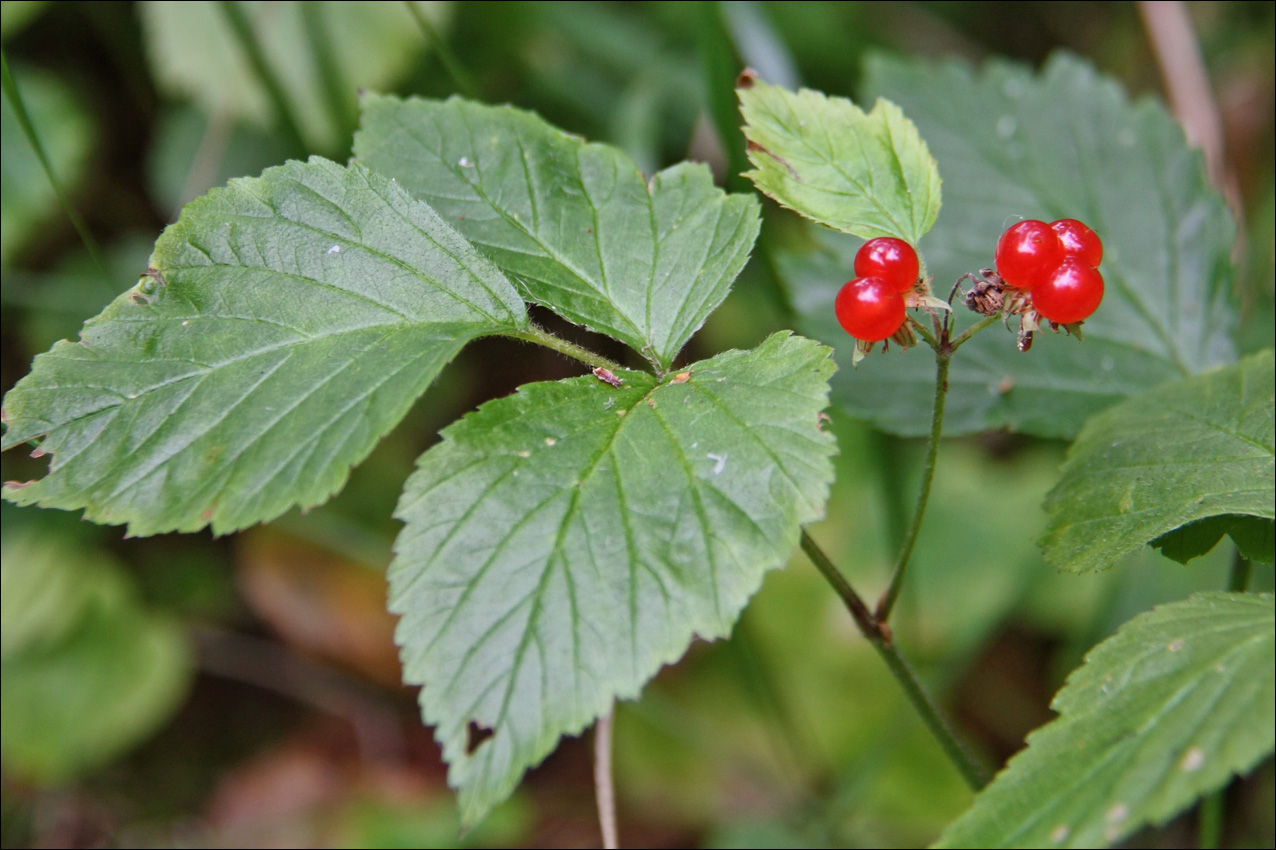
560 545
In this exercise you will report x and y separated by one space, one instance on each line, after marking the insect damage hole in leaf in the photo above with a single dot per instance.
475 735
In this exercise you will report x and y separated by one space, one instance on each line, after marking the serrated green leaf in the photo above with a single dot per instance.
572 223
563 543
1196 448
194 54
869 174
1066 143
291 321
1166 710
87 672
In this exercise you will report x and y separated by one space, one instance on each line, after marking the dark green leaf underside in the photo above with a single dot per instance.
1197 448
1062 144
574 224
563 543
1255 537
290 322
1168 709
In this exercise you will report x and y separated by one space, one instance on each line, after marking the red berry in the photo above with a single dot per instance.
1070 294
870 308
1079 241
1027 253
891 259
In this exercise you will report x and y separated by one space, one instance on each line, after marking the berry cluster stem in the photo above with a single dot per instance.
943 361
879 635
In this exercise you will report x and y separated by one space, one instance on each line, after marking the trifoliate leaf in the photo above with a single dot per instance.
563 543
869 174
574 224
1168 709
1065 143
289 322
1196 449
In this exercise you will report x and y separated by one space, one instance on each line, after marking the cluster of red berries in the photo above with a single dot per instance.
1057 263
871 307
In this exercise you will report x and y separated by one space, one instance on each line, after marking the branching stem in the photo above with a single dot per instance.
879 634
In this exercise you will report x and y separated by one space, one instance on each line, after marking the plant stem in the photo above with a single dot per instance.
604 788
562 346
878 634
249 43
924 333
964 337
438 44
1242 571
1209 826
863 617
10 87
943 360
973 772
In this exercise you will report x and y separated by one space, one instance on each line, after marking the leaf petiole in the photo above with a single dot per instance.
562 346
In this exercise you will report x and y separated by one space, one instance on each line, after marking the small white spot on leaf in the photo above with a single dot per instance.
1176 645
1192 760
335 249
721 462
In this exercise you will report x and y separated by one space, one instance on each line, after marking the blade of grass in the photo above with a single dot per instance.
256 56
11 91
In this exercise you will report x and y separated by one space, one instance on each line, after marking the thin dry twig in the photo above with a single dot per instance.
604 788
1187 84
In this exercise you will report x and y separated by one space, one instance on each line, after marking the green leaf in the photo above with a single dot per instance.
1066 143
290 322
563 543
1255 537
869 174
87 672
1164 711
1197 448
194 54
574 224
27 199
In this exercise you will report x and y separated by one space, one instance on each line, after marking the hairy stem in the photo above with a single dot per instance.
878 634
943 360
562 346
964 337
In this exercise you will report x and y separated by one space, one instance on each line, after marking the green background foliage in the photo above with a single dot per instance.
176 686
